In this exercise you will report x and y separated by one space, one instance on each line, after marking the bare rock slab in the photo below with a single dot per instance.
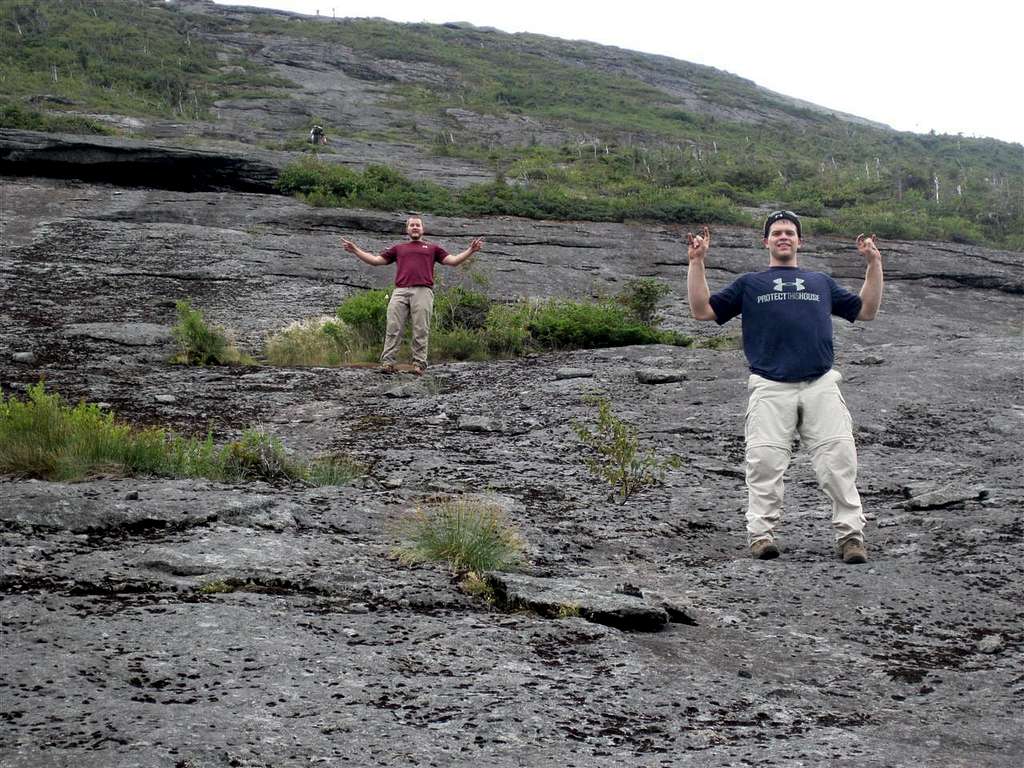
129 334
944 496
577 597
659 376
573 373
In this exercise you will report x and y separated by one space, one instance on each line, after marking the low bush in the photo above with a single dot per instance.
459 344
328 184
43 437
259 456
619 460
572 325
16 116
470 536
467 325
640 297
366 312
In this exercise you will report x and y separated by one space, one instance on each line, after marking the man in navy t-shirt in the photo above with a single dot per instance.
413 294
787 338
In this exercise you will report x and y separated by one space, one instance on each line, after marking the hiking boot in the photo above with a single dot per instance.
853 552
764 549
387 368
419 370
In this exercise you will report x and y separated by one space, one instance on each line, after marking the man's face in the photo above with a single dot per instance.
782 241
414 228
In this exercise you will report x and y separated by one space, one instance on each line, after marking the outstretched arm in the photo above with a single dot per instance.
871 291
697 290
370 258
454 261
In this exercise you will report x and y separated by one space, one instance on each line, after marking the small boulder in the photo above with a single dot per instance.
659 376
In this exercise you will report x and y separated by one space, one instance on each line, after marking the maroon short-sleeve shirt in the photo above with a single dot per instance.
415 262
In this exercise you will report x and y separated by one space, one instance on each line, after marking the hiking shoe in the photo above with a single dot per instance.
418 369
853 552
387 368
764 549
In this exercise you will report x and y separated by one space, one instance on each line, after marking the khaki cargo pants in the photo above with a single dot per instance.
817 412
419 303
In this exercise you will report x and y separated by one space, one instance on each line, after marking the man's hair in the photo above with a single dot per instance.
782 216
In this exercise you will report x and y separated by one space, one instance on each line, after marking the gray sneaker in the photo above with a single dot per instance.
764 549
853 552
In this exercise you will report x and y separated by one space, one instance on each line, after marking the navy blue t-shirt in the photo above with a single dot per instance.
787 320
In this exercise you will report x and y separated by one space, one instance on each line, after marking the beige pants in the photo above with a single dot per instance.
817 412
418 302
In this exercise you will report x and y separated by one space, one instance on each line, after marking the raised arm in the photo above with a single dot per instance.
871 291
697 290
370 258
454 261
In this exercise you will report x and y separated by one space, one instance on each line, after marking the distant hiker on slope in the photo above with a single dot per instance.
414 289
317 135
787 337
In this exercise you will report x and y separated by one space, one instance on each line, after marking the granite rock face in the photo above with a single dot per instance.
155 622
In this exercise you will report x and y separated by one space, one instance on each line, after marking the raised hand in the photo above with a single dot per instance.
697 245
476 245
867 245
349 246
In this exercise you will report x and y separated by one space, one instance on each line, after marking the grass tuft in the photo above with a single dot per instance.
202 344
470 536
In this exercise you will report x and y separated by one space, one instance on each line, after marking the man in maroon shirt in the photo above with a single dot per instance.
414 289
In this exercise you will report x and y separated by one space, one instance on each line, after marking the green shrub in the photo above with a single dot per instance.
505 329
366 312
200 344
469 535
570 325
640 297
43 437
259 456
459 344
619 460
15 116
460 307
467 325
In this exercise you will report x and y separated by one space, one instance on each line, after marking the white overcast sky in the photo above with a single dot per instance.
916 66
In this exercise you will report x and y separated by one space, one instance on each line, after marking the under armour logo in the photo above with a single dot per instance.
780 284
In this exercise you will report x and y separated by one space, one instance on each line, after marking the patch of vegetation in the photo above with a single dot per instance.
201 344
217 587
259 456
721 342
640 297
619 460
319 341
468 325
475 585
43 437
639 154
470 536
380 187
122 56
568 611
16 116
337 469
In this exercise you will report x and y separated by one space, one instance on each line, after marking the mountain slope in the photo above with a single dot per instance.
573 120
